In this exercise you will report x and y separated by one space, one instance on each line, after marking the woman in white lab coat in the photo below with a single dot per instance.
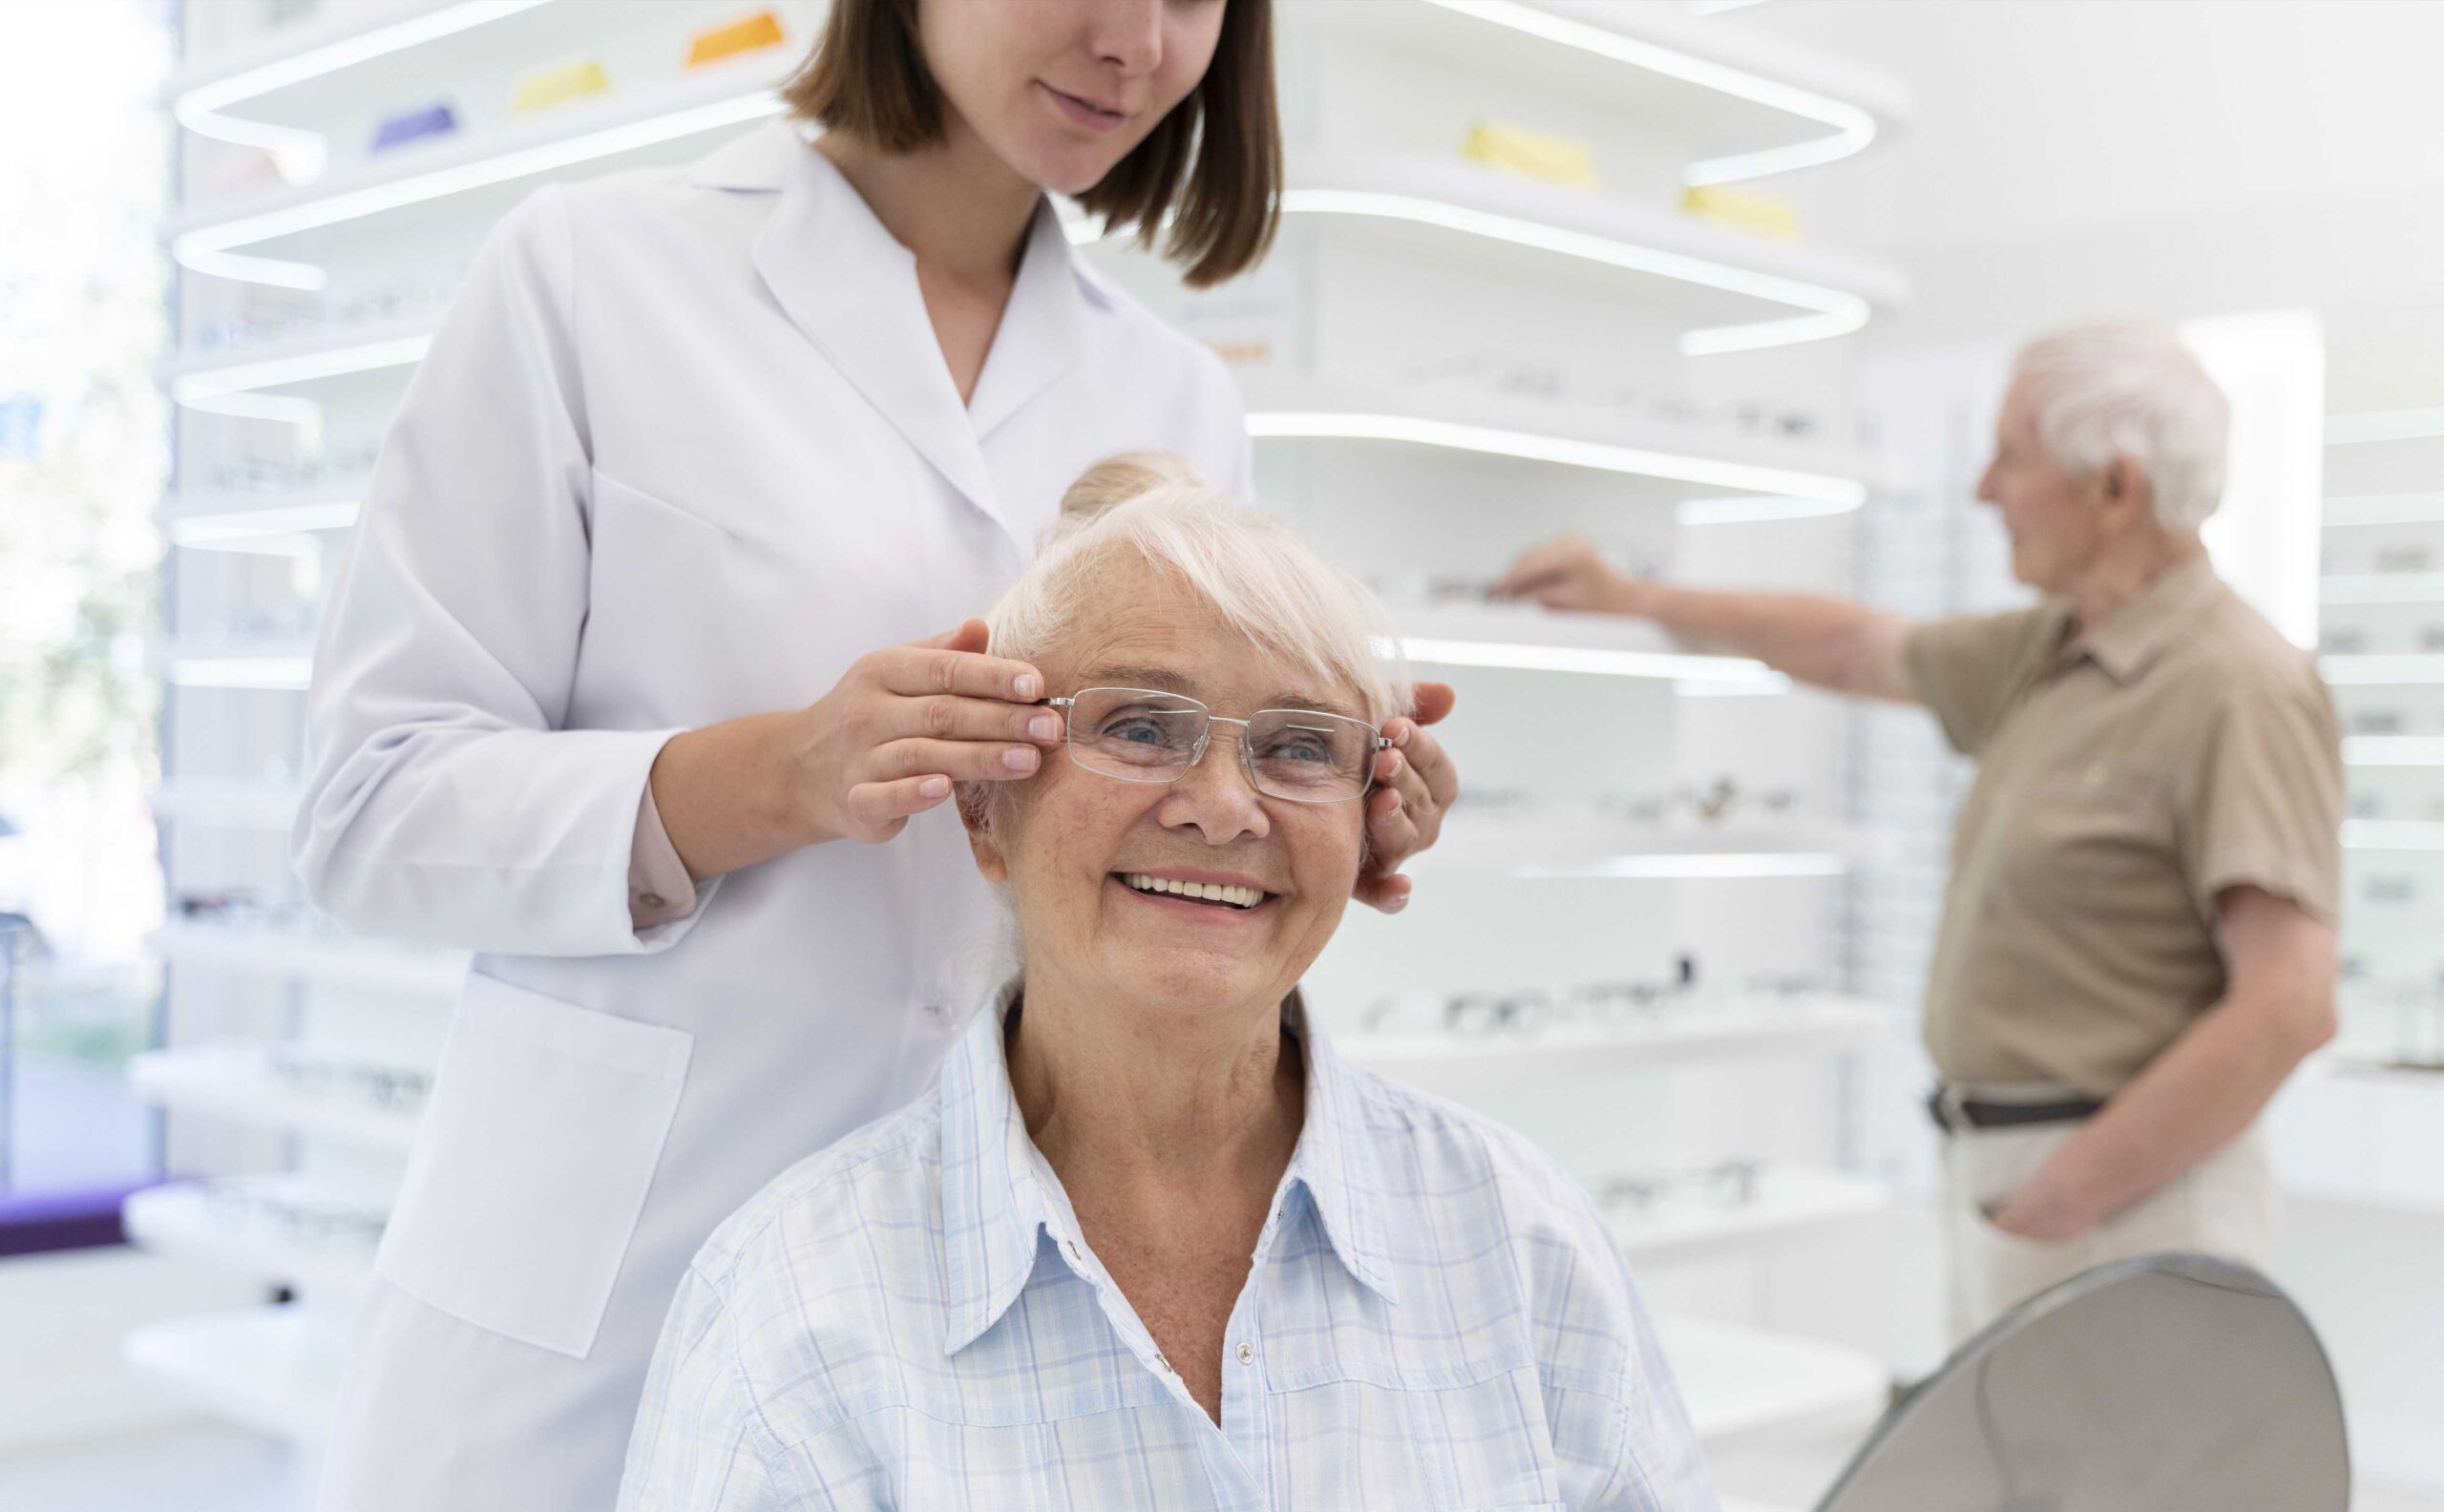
643 631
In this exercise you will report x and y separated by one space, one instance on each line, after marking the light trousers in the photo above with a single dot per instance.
2222 1206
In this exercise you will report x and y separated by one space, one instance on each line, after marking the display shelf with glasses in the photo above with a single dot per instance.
1445 362
1731 1207
373 1106
288 1229
1584 367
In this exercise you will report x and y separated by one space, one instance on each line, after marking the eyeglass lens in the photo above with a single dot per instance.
1138 735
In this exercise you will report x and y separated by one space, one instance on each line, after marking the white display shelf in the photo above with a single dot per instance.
2378 426
178 1221
1742 1380
236 1083
2379 670
328 47
237 663
271 237
2348 511
236 805
1791 1202
1821 1025
2350 1127
1590 846
2392 750
1750 291
342 960
266 1367
205 380
2382 588
2392 834
1740 102
1526 638
243 519
1659 462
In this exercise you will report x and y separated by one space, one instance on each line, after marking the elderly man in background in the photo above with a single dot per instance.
2137 938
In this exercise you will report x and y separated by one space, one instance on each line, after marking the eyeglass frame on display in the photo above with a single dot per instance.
1247 756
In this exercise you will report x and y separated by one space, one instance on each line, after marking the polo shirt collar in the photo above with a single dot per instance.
2129 643
1000 1197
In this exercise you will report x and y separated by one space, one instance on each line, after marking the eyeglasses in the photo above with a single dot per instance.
1300 755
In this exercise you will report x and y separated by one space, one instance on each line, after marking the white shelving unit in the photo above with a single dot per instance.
1651 336
274 1369
236 1084
182 1221
313 270
1739 1381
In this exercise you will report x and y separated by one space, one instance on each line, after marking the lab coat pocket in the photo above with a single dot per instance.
546 1123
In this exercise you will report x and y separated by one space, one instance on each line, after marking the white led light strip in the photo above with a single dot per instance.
227 527
208 250
1831 312
1852 128
199 109
1521 658
273 672
1703 865
1529 446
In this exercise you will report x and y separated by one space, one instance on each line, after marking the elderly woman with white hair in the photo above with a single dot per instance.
2137 940
1149 1243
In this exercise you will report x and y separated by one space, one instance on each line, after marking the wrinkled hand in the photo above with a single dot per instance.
1415 782
1568 573
906 722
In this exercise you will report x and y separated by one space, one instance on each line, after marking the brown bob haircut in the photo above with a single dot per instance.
1212 167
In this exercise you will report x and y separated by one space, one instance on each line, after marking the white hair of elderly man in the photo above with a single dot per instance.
2128 388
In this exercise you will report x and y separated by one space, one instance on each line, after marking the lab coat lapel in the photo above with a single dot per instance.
852 290
1044 329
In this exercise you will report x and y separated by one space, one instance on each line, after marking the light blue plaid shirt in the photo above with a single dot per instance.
1435 1318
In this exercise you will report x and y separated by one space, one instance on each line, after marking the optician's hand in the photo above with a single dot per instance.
1568 573
1404 814
906 722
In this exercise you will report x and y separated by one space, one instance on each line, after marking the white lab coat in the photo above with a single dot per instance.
684 448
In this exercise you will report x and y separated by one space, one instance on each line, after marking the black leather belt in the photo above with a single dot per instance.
1954 1113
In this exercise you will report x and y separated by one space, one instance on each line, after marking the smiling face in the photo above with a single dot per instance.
1063 90
1095 865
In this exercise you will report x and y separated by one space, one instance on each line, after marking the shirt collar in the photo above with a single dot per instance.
996 1205
2134 636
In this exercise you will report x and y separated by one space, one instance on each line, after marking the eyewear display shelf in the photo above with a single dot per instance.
2351 1128
1446 363
312 266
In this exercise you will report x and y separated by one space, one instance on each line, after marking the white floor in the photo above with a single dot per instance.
204 1469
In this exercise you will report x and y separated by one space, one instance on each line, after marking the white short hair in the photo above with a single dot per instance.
2114 389
1259 578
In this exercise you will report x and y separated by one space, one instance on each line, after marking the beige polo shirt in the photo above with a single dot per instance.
2123 781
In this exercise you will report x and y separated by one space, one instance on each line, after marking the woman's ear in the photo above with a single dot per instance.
975 802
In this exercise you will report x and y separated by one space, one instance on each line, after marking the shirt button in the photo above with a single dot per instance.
651 900
1247 1355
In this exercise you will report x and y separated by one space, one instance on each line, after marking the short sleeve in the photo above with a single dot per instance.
2268 807
701 1442
1970 669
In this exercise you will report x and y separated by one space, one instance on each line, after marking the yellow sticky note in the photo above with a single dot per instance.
761 30
558 84
1530 154
1744 210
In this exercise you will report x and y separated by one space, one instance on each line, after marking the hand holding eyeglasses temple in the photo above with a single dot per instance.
906 722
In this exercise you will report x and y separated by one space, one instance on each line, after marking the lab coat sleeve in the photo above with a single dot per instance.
444 802
702 1442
